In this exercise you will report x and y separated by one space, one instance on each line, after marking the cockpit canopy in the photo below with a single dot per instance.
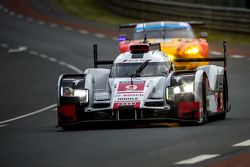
151 69
163 30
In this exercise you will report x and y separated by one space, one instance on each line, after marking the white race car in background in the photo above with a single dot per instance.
142 85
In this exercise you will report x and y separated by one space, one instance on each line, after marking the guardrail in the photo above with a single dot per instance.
218 18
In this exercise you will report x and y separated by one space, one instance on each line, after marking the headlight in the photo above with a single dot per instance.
82 94
189 87
192 50
177 90
172 91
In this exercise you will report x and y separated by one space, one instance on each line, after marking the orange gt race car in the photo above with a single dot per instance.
177 40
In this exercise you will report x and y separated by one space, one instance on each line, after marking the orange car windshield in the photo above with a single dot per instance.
163 34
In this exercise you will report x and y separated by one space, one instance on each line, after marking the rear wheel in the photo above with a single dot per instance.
225 100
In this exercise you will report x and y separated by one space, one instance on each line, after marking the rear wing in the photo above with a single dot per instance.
141 48
129 25
210 59
196 23
100 62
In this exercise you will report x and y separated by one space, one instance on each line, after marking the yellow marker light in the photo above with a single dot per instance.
192 51
171 56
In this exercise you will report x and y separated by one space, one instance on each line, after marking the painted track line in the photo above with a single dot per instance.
29 114
41 22
68 28
242 144
33 52
83 32
74 68
4 45
237 56
52 59
29 19
216 53
43 56
100 35
197 159
12 13
3 126
54 25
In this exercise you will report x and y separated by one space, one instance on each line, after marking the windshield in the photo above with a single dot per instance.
167 33
128 69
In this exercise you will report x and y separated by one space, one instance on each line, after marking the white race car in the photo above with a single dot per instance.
142 85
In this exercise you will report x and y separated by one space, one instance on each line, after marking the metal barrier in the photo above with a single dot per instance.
218 18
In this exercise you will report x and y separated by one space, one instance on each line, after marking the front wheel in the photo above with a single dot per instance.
204 113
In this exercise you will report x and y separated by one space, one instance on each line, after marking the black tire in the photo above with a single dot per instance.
204 102
223 115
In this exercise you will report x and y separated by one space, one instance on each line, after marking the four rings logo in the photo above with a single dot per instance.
131 87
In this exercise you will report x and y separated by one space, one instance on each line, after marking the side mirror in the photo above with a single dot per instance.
203 35
122 38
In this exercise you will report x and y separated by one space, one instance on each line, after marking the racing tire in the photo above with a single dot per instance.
204 116
223 115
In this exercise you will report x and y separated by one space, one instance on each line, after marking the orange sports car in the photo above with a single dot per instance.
176 39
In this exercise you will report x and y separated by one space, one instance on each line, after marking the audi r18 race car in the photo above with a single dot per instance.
143 85
177 40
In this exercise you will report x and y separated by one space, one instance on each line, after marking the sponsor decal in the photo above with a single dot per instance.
126 86
126 105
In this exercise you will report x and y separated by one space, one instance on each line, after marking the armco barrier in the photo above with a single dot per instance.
219 18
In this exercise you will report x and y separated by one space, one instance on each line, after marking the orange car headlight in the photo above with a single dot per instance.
194 50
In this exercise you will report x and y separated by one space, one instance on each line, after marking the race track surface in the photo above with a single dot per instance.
37 46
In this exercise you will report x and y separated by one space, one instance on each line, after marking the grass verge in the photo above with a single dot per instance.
91 9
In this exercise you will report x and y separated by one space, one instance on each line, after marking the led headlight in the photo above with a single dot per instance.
172 91
192 50
188 87
177 90
82 94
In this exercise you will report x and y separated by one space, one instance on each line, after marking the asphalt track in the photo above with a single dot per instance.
34 52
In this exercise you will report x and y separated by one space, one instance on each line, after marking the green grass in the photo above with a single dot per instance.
91 9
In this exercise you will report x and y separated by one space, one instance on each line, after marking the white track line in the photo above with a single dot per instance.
100 35
19 16
29 114
242 144
41 22
52 59
74 68
19 49
33 52
237 56
4 45
43 56
12 13
53 25
216 53
83 32
5 10
29 19
62 63
3 126
68 28
197 159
